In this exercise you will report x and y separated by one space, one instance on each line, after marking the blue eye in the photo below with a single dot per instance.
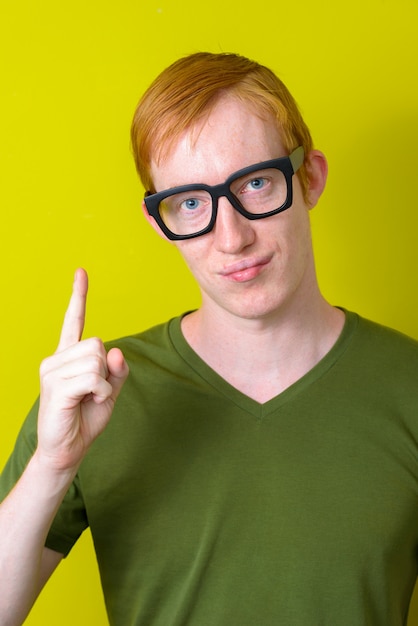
257 183
191 204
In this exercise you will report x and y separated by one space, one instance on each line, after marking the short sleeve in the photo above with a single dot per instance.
24 448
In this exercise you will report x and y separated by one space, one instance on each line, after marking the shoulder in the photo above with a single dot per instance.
384 338
147 342
152 355
382 354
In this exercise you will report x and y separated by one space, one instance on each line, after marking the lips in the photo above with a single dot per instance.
245 270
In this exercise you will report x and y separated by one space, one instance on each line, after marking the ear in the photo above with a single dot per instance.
317 170
153 223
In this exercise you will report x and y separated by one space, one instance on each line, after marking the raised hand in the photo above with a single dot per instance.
79 386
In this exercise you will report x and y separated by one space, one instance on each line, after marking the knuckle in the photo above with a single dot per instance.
96 345
97 365
91 346
94 381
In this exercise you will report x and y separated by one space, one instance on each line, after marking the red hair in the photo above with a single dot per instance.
184 93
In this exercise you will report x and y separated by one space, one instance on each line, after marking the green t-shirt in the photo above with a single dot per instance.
209 509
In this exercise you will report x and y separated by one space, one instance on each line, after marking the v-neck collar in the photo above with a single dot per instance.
246 403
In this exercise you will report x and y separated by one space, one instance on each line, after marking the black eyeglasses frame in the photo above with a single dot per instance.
288 165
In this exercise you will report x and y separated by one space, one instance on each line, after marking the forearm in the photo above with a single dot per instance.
25 518
79 387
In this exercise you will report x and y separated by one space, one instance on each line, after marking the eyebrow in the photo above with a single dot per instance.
200 182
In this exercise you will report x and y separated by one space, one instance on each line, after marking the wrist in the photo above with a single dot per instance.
49 476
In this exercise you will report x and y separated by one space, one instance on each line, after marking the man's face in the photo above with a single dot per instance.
250 269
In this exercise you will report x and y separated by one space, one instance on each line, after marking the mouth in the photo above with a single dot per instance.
246 270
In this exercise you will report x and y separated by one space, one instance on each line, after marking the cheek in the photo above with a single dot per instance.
293 244
194 252
292 228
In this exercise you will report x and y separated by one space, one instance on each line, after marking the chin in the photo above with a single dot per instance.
254 310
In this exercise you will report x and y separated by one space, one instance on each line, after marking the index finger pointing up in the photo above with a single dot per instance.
73 325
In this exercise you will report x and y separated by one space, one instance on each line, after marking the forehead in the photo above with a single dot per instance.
232 136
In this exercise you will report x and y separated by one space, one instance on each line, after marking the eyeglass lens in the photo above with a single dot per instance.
259 192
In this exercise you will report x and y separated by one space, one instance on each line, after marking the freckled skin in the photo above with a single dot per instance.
277 250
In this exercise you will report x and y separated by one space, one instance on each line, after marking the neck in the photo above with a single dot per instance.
262 357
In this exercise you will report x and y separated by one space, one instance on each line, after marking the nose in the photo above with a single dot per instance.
232 232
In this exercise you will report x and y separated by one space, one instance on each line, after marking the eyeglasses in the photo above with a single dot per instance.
256 192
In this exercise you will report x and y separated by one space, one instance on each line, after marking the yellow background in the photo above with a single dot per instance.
71 74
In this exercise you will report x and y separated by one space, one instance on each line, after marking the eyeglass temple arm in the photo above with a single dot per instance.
296 158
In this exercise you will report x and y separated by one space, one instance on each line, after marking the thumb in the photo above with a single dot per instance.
118 370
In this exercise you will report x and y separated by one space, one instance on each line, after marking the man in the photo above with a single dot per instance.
260 466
